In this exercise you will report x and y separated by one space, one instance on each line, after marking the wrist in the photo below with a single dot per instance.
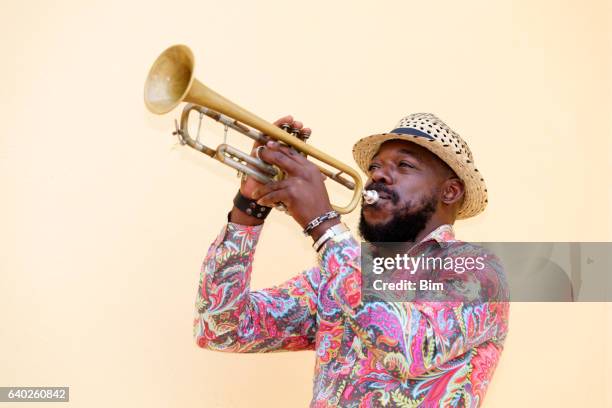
319 230
247 211
319 219
238 217
329 234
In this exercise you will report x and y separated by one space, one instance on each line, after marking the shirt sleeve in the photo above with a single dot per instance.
408 338
230 317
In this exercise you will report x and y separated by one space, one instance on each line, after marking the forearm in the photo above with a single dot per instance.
230 317
223 287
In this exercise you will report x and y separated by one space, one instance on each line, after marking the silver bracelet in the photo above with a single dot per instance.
329 234
320 220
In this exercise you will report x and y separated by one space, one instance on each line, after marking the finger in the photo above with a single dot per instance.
268 188
256 144
289 151
270 199
283 159
285 119
297 125
306 132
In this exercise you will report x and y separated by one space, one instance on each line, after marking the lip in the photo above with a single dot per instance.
383 196
381 204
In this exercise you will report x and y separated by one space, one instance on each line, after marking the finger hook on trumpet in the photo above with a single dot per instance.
257 151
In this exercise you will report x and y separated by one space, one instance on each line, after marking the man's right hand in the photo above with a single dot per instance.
249 184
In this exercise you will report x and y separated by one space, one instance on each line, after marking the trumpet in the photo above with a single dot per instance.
171 81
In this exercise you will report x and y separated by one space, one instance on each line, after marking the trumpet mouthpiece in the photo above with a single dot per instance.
370 196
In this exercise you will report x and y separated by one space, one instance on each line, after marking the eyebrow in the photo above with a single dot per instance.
403 151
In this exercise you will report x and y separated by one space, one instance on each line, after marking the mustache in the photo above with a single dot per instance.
381 188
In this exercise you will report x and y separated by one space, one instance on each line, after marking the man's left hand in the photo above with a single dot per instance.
302 191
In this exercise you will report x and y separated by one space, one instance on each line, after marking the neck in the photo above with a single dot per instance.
434 222
404 247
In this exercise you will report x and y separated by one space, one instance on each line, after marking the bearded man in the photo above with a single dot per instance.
413 353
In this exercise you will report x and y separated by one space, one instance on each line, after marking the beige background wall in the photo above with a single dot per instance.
104 224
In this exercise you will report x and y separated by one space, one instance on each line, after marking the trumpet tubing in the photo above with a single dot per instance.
171 81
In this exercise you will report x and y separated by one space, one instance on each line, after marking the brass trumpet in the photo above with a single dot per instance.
171 81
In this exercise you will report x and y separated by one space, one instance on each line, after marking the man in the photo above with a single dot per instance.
430 354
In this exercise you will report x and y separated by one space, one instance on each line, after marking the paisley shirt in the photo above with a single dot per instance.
368 354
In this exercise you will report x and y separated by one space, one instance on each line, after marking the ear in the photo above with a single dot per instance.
452 191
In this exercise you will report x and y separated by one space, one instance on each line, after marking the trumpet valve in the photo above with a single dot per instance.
299 133
303 135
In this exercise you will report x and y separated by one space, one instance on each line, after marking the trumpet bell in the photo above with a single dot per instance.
169 79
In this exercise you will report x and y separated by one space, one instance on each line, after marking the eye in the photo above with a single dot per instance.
406 164
373 167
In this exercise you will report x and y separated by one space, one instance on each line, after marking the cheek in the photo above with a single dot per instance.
415 188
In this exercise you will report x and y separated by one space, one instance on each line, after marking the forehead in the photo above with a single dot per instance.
397 146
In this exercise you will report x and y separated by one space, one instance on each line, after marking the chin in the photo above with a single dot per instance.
376 214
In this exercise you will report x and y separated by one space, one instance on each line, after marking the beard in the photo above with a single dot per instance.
406 224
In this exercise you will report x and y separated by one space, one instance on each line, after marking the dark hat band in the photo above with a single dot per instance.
413 132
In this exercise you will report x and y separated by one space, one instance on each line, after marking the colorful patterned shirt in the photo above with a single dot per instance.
368 354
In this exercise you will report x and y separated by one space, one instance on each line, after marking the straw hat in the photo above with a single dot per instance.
427 130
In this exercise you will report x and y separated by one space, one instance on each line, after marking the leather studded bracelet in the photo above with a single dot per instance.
251 207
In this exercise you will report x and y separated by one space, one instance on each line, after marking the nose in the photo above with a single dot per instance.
381 175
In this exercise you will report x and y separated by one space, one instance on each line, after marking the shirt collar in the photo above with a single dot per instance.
443 233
